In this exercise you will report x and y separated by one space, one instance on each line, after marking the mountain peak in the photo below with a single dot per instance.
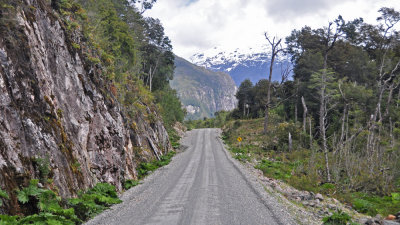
241 63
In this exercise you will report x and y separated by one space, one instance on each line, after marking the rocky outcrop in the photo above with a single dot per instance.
203 92
56 112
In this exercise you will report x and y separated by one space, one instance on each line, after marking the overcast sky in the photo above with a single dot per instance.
195 26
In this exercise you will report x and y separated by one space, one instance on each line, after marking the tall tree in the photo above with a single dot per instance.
276 48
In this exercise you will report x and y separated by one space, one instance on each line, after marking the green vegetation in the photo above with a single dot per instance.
338 218
94 201
43 206
219 120
3 195
333 129
144 168
130 183
301 168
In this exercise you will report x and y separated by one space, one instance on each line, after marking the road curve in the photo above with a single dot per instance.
202 185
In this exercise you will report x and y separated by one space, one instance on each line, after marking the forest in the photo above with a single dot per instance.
334 127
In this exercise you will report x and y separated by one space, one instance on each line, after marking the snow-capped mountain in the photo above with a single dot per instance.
241 64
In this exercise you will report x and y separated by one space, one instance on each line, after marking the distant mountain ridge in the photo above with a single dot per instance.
202 92
241 64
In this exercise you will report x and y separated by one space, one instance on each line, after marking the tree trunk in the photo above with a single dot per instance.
290 142
305 110
311 137
275 46
323 114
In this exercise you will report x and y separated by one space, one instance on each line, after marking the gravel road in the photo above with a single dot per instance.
202 185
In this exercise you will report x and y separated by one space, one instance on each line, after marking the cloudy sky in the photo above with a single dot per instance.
198 25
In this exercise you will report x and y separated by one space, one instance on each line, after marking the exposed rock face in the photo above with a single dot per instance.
54 106
203 92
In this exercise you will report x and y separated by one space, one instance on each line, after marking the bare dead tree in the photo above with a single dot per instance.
332 33
276 48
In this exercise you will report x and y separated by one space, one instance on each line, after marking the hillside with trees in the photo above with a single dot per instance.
335 127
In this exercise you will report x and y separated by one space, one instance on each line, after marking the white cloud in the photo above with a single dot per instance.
197 25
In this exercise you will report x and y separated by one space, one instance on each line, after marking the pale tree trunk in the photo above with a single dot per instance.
275 46
305 110
151 74
311 137
290 142
295 105
323 113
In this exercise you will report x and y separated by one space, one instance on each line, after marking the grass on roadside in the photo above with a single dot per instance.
301 168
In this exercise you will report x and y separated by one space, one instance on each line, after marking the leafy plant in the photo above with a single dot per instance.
130 183
31 191
364 206
94 200
8 220
396 198
338 218
3 194
144 168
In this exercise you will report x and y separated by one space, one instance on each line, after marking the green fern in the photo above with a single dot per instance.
3 194
8 220
94 201
32 190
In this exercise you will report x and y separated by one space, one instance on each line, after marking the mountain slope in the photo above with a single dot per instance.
202 91
241 64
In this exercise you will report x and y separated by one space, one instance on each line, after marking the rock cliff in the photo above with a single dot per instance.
203 92
56 109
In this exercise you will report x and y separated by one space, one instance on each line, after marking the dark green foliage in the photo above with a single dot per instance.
130 183
44 207
144 168
95 200
171 107
3 195
338 218
8 220
48 208
364 206
43 166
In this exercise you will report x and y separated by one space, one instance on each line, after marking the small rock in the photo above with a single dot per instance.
319 197
390 217
397 215
40 185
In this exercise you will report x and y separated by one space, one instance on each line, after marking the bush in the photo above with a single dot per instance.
364 206
3 194
45 207
338 218
144 168
94 200
130 183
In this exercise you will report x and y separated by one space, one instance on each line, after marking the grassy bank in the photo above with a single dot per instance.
303 168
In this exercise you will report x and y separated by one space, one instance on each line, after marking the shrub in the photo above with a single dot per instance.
94 200
130 183
338 218
47 205
364 206
3 194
